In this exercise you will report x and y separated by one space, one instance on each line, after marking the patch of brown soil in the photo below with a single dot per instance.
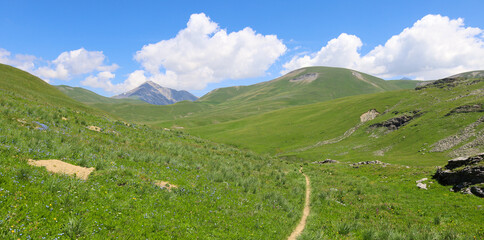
166 185
94 128
57 166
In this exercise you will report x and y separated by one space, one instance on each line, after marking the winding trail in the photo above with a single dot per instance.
302 224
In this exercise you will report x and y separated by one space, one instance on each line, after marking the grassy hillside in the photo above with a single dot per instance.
288 130
300 87
222 192
376 201
404 84
89 97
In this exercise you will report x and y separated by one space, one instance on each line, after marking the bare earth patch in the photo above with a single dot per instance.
362 78
166 185
57 166
94 128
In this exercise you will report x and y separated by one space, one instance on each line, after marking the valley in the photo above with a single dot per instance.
242 162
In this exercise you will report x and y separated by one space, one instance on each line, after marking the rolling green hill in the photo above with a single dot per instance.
211 191
300 87
223 192
85 96
289 130
446 120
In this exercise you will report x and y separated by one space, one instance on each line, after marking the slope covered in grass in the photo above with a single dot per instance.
222 192
300 87
376 201
289 130
85 96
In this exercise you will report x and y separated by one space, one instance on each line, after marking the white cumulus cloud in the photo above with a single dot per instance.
434 47
204 53
75 63
22 61
104 80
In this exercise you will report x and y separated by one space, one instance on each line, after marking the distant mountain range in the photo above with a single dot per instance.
153 93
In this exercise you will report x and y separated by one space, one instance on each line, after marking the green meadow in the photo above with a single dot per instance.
222 192
233 159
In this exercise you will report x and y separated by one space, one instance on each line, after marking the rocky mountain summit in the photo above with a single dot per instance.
153 93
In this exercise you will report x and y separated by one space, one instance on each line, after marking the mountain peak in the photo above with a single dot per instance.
153 93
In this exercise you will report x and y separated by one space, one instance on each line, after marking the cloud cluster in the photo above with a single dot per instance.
75 63
24 62
203 53
434 47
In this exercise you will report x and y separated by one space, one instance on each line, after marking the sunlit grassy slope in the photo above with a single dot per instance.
288 130
89 97
375 201
222 192
221 105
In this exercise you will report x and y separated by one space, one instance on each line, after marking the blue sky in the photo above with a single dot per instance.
111 46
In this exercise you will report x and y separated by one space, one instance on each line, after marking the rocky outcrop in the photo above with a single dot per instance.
370 115
395 123
441 83
454 140
306 78
467 78
464 161
467 109
326 161
463 173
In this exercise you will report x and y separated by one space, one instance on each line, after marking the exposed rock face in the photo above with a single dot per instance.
454 140
468 78
441 83
370 115
306 78
462 173
326 161
478 191
423 83
153 93
393 124
464 161
467 109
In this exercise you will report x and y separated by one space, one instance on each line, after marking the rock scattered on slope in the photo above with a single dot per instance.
356 165
421 184
463 173
467 109
370 115
454 140
468 78
326 161
395 123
